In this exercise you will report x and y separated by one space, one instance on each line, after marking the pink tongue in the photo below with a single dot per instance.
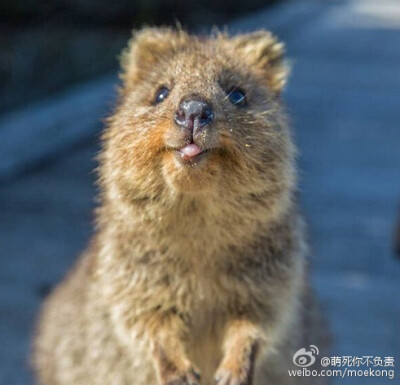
190 150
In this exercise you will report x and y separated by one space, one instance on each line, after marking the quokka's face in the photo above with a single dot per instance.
197 115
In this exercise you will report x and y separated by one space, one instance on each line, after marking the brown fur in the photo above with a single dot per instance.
194 268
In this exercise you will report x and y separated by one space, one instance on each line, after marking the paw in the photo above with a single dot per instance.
190 377
237 370
225 376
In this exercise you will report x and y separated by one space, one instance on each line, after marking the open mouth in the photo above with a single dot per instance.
190 154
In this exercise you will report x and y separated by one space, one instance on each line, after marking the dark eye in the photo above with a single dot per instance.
237 97
161 94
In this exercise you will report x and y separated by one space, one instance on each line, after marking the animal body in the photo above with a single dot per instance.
197 272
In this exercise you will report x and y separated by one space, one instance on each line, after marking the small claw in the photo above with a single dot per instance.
222 378
189 377
196 374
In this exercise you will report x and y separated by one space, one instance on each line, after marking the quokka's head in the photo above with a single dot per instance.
199 115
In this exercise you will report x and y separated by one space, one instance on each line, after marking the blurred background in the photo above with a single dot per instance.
58 72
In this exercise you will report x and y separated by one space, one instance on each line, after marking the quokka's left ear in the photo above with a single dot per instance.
263 50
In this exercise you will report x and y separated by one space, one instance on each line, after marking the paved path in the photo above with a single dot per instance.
344 100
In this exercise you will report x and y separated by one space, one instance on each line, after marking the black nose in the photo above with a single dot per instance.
194 114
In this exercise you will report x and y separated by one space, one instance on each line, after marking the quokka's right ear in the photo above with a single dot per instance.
146 47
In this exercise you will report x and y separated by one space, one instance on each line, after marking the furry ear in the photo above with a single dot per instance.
263 50
146 47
